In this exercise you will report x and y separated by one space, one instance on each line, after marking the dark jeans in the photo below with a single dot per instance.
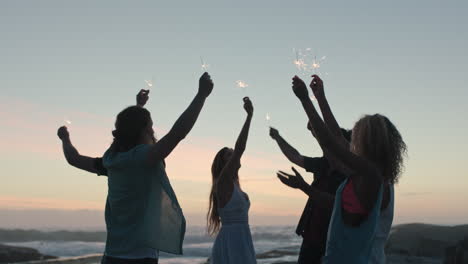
310 254
111 260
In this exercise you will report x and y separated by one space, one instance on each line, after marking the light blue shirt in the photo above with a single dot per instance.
351 244
142 212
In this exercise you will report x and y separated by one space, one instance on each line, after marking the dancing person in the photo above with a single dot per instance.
387 209
313 224
83 162
228 205
142 213
375 160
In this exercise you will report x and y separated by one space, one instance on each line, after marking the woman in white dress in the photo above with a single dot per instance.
229 205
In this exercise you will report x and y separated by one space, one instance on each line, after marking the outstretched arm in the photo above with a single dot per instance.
290 152
93 165
359 165
328 117
184 123
320 198
72 155
233 164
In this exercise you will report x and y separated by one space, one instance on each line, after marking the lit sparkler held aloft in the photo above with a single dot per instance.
306 62
241 84
149 84
204 66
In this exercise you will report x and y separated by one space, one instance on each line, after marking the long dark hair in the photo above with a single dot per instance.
129 127
376 138
212 217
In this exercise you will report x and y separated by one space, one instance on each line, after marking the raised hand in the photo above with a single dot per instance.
205 85
274 133
62 133
296 182
317 86
142 97
248 106
299 88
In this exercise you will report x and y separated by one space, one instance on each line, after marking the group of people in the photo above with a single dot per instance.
347 218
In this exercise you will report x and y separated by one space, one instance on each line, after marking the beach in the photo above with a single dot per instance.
409 243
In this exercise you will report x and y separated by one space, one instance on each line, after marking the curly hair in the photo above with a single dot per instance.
376 138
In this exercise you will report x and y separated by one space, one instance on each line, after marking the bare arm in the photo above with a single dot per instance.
328 117
290 152
359 165
87 163
225 182
184 123
233 164
72 155
322 199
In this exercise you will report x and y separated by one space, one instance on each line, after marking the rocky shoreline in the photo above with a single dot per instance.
11 254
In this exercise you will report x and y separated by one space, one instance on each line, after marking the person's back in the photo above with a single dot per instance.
234 234
136 206
347 243
229 205
374 157
383 230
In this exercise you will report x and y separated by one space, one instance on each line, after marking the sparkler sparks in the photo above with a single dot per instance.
267 117
68 122
241 84
204 65
307 63
149 84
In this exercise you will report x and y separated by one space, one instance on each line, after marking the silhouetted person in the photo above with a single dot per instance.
229 205
83 162
313 224
374 160
142 213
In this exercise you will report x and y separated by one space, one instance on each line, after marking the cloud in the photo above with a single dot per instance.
416 193
20 202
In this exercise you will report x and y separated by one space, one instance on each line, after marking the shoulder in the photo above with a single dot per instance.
137 154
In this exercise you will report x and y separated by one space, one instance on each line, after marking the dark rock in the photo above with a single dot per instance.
457 254
275 254
421 240
9 254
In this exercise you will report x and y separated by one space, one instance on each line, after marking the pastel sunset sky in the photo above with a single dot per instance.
84 61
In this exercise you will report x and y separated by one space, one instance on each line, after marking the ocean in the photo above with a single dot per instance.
275 243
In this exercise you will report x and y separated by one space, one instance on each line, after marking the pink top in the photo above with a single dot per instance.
350 201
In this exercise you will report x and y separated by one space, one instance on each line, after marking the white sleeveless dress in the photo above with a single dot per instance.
234 245
383 231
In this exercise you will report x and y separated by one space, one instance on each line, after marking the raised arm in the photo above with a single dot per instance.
358 165
233 164
161 149
74 158
328 117
93 165
290 152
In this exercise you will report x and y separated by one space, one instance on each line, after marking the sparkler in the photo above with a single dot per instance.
68 122
267 117
204 65
317 63
241 84
149 84
304 64
299 62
